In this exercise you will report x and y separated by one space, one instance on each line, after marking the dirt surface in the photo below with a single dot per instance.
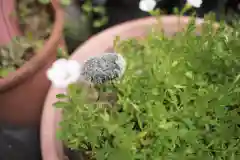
19 143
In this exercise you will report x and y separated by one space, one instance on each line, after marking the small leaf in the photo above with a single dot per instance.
100 22
44 1
179 86
100 154
100 10
58 134
105 116
65 2
189 74
237 78
61 96
84 146
116 42
87 7
142 134
175 63
5 71
155 91
61 104
134 106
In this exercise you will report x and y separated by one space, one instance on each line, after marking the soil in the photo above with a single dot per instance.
35 21
17 143
74 155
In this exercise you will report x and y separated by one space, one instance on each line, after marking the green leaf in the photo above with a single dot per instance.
100 10
61 104
44 1
87 7
61 96
100 154
120 155
5 71
59 135
65 2
142 134
105 116
100 22
189 74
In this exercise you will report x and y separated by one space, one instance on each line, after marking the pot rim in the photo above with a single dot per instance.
51 148
39 60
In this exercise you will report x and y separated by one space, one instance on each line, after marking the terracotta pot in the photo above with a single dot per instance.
22 93
52 149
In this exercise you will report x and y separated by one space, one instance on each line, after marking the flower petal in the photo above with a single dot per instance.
72 79
73 68
64 72
147 5
195 3
60 62
50 74
55 74
60 67
60 84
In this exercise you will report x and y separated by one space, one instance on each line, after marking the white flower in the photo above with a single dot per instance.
147 5
64 72
195 3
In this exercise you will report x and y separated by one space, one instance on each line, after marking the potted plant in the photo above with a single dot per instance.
25 56
177 99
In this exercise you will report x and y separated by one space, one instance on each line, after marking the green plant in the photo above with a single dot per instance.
34 18
63 2
178 100
89 9
14 55
35 22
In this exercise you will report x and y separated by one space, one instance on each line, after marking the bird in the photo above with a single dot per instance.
101 69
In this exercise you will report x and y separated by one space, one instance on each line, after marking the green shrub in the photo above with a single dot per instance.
178 100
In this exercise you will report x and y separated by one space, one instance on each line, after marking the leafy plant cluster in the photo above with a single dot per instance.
178 100
90 9
36 23
14 55
35 18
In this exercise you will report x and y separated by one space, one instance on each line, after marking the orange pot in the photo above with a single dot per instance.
52 149
22 92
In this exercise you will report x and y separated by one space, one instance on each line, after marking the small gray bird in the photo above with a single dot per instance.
101 69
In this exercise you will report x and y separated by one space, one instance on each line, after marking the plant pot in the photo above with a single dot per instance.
22 92
51 148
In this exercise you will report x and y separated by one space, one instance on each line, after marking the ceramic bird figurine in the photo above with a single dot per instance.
101 69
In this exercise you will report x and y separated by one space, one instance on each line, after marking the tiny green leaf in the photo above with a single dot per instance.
61 104
61 96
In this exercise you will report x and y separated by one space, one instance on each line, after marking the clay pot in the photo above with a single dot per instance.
22 93
52 149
